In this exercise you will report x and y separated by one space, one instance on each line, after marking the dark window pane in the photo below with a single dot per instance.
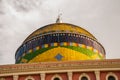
111 78
56 79
84 78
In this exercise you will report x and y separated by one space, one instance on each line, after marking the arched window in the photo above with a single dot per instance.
56 77
111 78
29 78
84 76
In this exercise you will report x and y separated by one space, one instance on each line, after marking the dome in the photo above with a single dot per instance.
58 27
59 42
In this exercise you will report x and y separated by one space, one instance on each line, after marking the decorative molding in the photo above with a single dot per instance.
15 77
29 77
56 76
42 75
111 74
63 66
84 75
69 75
97 74
27 47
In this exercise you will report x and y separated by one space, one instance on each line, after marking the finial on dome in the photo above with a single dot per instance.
59 18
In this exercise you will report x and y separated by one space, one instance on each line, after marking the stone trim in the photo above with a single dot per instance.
42 76
48 67
15 77
29 77
56 76
84 75
97 74
111 74
69 75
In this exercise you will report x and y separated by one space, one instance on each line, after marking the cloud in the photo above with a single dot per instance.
19 18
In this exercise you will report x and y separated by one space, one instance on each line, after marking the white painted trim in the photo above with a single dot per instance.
61 71
42 76
84 75
29 77
97 75
15 77
111 74
69 74
56 76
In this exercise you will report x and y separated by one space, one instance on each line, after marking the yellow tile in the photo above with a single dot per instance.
37 48
55 44
45 45
83 46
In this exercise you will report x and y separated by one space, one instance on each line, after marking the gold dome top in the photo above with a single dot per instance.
61 42
60 27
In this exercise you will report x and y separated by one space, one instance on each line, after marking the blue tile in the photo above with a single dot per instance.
59 57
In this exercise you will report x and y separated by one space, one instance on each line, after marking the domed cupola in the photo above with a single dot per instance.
59 42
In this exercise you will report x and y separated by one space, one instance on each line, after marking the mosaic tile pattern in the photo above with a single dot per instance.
62 35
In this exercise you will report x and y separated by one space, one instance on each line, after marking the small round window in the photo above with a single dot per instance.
111 78
56 78
84 78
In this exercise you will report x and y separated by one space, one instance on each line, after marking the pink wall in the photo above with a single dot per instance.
62 75
104 74
35 76
76 75
8 78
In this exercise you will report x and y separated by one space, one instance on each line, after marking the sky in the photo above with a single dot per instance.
19 18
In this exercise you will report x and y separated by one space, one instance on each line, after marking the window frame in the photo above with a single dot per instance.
56 76
29 77
84 75
111 74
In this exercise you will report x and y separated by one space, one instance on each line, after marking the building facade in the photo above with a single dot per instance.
61 51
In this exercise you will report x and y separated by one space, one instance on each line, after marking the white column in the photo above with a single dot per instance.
15 77
69 75
42 75
97 74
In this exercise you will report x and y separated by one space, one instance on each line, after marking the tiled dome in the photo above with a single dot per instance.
59 42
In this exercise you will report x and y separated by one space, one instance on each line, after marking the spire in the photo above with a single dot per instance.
59 18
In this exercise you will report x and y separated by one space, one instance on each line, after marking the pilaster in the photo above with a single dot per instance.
69 75
97 74
42 75
15 77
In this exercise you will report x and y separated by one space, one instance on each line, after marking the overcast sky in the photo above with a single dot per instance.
19 18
